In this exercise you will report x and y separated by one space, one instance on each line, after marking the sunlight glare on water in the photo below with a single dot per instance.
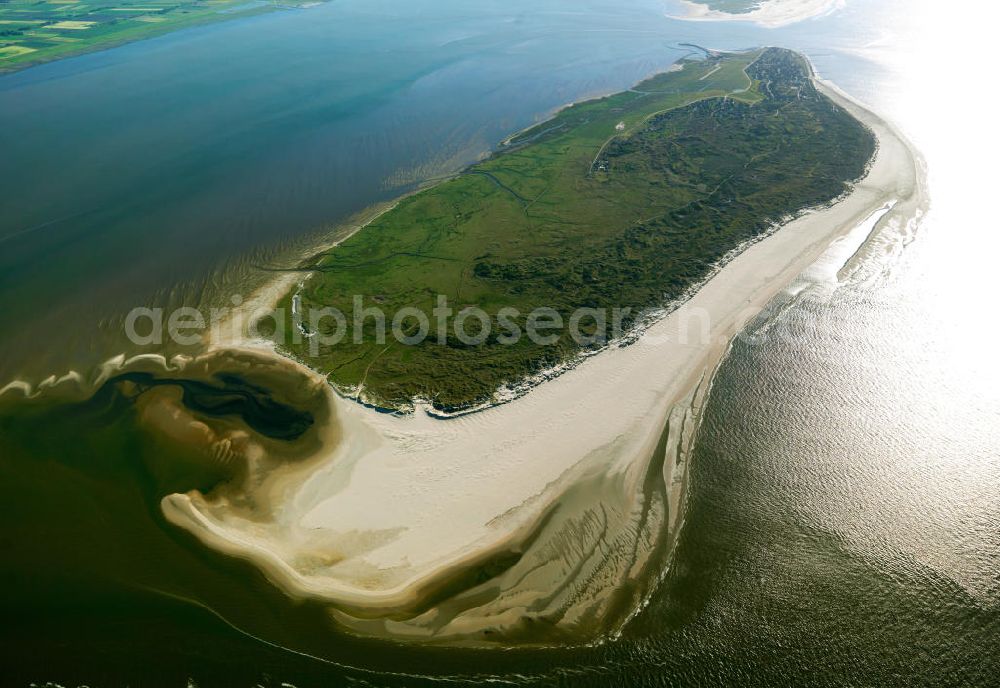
914 348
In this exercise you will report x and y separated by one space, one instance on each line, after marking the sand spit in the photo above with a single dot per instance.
541 520
769 13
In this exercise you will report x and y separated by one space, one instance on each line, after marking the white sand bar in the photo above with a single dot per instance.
543 516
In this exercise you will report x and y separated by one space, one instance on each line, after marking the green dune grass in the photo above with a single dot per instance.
621 202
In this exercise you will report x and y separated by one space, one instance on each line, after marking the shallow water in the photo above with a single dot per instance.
145 174
845 502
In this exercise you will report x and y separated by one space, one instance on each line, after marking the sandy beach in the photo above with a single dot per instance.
539 519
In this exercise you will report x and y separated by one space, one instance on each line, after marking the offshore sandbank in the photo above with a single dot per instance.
542 520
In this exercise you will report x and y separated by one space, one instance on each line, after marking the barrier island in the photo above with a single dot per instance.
618 205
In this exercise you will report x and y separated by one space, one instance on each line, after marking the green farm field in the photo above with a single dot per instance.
35 31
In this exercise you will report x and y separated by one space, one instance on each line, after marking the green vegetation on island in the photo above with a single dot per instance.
34 31
626 201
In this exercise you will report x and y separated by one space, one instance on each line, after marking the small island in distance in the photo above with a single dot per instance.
732 6
770 13
627 201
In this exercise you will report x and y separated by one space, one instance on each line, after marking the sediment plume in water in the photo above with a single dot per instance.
568 561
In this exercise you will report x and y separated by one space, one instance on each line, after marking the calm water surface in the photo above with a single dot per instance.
844 523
